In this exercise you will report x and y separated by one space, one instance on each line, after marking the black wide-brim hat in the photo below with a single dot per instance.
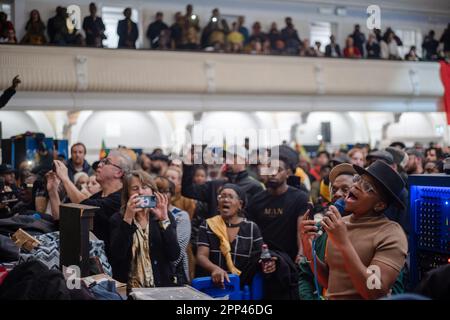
390 180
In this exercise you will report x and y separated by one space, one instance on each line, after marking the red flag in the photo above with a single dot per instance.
445 78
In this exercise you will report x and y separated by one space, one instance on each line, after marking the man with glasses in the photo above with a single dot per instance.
278 209
109 175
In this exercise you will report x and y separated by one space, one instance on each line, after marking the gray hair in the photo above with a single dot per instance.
125 162
78 175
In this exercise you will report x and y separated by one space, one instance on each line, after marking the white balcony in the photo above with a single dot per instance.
61 78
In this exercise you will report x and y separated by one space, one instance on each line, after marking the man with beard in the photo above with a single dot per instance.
415 162
278 210
235 173
77 162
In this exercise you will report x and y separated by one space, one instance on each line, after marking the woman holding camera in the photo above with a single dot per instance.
143 240
365 251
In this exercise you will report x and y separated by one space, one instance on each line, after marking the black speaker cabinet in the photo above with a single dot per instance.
74 224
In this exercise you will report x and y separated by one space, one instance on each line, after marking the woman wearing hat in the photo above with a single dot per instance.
227 241
365 251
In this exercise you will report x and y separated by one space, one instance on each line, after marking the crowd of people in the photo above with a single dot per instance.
219 36
213 220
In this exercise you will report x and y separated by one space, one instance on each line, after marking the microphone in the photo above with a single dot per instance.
340 205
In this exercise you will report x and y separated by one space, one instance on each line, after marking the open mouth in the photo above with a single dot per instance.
351 197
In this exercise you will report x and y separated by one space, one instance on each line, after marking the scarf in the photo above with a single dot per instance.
217 225
141 272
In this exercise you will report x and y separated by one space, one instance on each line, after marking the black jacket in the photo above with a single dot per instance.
71 169
127 40
6 95
207 192
164 249
328 50
154 33
279 285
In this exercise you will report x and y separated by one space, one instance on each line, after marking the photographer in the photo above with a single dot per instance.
143 240
215 31
363 241
109 175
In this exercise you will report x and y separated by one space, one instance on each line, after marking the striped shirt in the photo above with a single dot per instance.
183 236
247 241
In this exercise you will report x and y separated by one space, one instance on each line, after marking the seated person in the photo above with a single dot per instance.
363 241
143 240
226 242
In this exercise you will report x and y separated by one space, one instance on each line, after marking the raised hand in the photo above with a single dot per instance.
162 204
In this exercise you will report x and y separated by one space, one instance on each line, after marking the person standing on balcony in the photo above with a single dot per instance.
94 28
154 31
430 45
290 37
35 28
389 47
359 39
190 29
373 48
333 49
445 39
350 50
6 29
127 31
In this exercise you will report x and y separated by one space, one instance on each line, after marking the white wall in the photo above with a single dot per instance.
149 130
415 126
18 122
342 130
130 128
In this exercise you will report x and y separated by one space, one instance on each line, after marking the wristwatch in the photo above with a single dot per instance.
164 224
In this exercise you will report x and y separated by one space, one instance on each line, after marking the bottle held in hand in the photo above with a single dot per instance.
265 254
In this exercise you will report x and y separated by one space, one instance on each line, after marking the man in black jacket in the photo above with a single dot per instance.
94 28
8 93
333 50
235 173
128 31
154 30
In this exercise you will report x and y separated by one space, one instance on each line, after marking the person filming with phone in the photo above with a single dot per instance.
144 241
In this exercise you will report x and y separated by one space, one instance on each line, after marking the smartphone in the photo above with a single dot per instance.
147 202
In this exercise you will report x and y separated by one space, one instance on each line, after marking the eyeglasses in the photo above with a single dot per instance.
225 196
365 186
106 161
